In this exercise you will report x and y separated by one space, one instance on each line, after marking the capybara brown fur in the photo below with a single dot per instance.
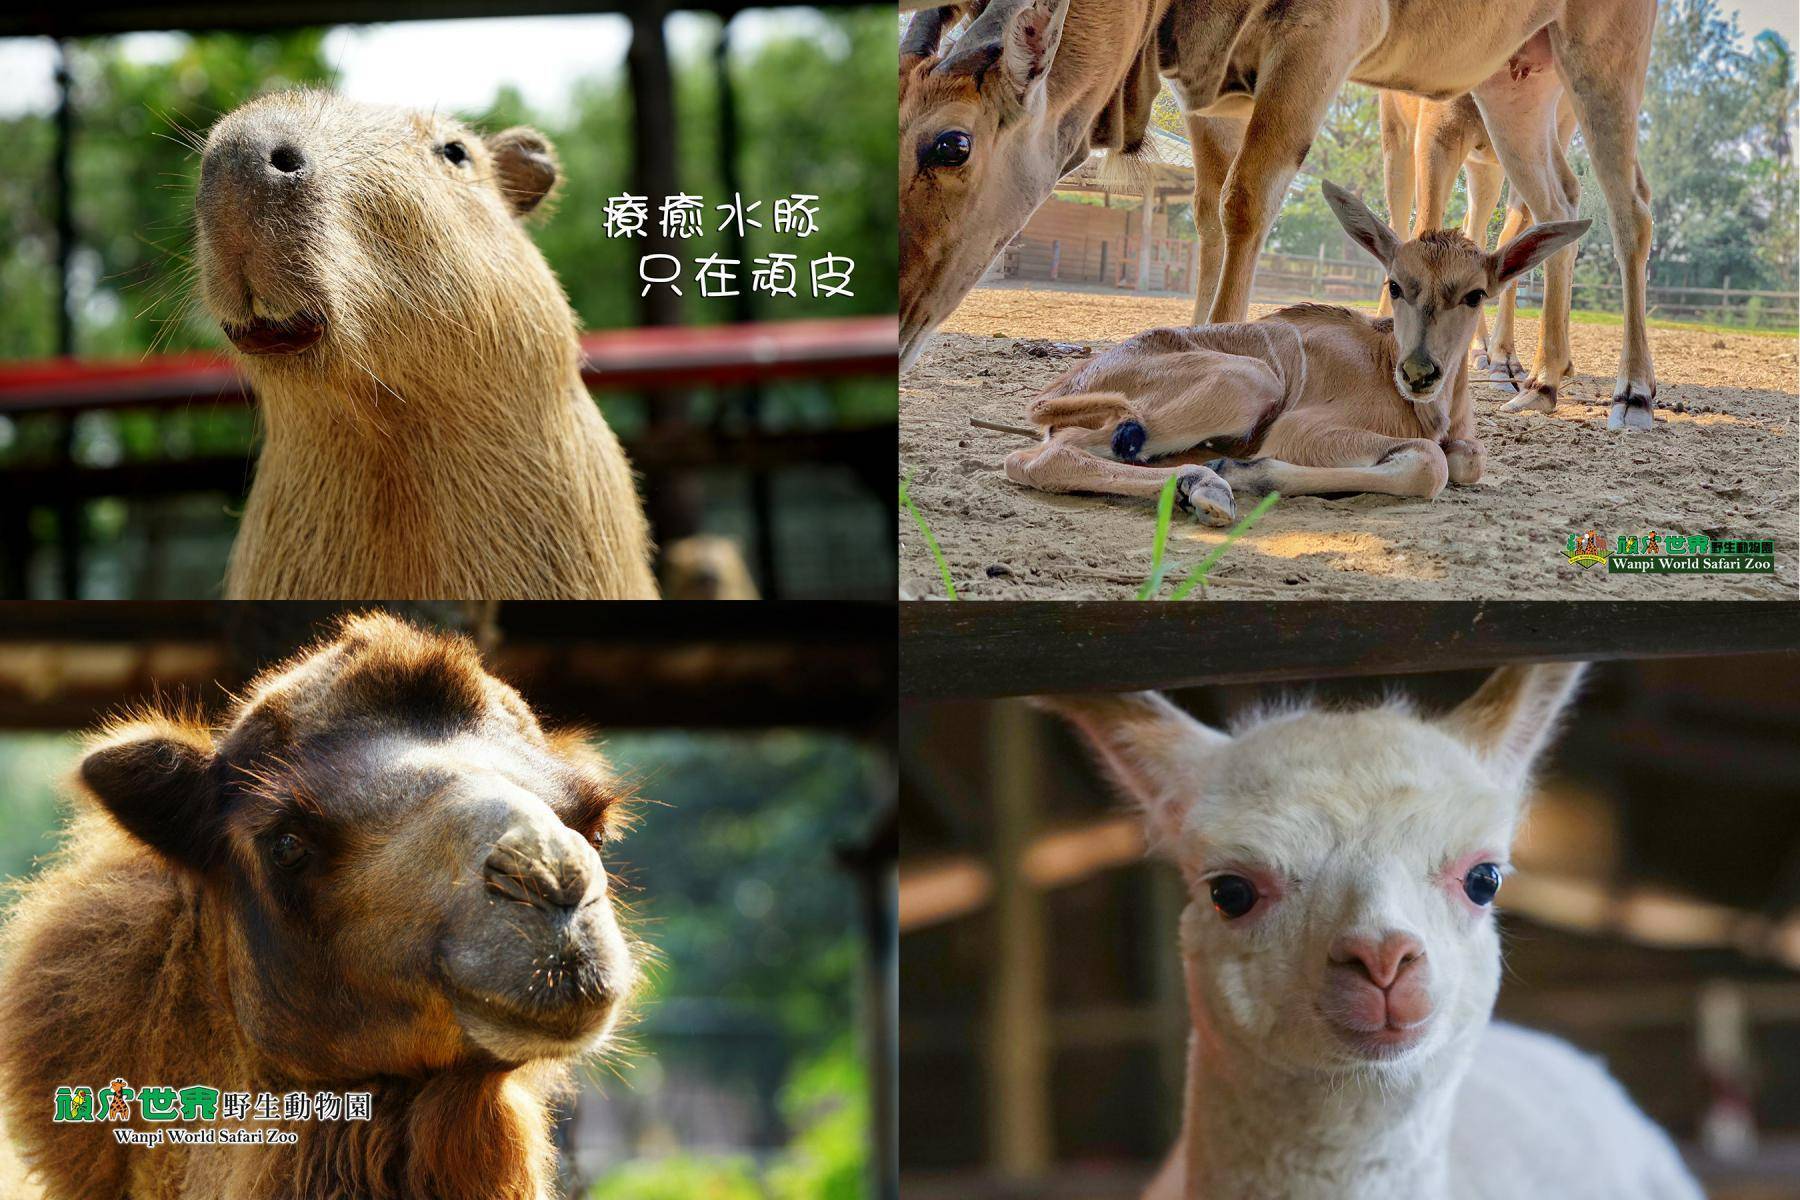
376 873
426 434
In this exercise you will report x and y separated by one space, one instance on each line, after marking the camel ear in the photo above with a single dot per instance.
158 782
1364 227
1532 247
525 166
1510 718
1158 754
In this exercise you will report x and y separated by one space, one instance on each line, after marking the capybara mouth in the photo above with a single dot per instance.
259 335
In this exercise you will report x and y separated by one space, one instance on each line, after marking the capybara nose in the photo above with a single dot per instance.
1381 960
286 158
550 869
1420 372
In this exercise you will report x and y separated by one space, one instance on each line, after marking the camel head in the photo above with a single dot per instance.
399 870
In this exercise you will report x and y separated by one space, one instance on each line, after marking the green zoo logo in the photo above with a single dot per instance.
162 1103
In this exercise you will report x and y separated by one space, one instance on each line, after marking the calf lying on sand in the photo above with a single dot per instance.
1309 400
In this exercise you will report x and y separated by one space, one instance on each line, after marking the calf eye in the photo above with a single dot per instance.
951 149
287 852
1393 289
455 152
1474 298
1233 895
1482 883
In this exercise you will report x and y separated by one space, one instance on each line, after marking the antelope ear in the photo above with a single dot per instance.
1511 717
525 166
1156 753
1032 37
1532 247
1364 227
1021 37
157 779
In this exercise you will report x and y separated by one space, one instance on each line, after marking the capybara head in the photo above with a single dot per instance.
1438 282
403 869
371 242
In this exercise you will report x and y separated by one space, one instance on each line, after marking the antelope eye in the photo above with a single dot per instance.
455 152
1482 883
1393 289
1474 298
1233 895
287 851
951 149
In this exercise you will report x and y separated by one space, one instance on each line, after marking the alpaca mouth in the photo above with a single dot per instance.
263 336
1380 1045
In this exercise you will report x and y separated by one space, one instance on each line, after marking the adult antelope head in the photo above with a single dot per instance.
978 153
1437 283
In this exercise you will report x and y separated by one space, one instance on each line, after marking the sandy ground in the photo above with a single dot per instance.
1725 465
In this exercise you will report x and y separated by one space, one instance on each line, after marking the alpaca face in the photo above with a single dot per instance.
1340 869
407 869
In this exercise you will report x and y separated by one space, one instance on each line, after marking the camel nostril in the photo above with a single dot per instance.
551 885
287 159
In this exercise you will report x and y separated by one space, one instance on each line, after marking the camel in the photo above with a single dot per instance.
989 124
378 875
1308 400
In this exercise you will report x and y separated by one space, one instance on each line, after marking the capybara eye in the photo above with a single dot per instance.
951 149
287 851
1474 298
1482 883
456 152
1393 289
1233 895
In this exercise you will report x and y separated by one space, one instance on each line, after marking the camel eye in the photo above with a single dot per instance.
951 149
1233 896
1394 290
455 152
1482 883
287 852
1474 298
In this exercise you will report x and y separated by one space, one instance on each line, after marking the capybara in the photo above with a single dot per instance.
427 434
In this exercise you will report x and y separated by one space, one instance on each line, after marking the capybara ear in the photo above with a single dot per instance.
157 780
525 166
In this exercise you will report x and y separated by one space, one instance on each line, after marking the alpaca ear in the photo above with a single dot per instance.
1511 717
525 166
158 782
1158 754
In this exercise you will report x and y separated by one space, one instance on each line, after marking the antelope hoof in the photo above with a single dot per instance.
1631 409
1204 495
1128 441
1541 398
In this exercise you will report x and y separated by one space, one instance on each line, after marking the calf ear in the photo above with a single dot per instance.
1532 247
525 166
1158 754
1364 227
157 779
1511 717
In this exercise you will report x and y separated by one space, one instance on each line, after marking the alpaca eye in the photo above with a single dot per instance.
1474 298
287 852
1394 289
951 149
1482 883
455 152
1233 895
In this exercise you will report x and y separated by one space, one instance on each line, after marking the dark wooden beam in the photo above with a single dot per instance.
1015 649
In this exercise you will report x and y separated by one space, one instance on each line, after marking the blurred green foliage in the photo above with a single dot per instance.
31 768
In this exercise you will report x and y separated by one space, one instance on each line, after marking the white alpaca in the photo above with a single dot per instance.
1342 961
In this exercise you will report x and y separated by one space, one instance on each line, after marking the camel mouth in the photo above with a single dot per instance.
263 336
513 1029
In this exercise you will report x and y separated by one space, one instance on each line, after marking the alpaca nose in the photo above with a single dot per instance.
1419 371
1381 960
547 868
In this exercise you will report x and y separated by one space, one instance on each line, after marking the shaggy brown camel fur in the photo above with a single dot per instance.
376 873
